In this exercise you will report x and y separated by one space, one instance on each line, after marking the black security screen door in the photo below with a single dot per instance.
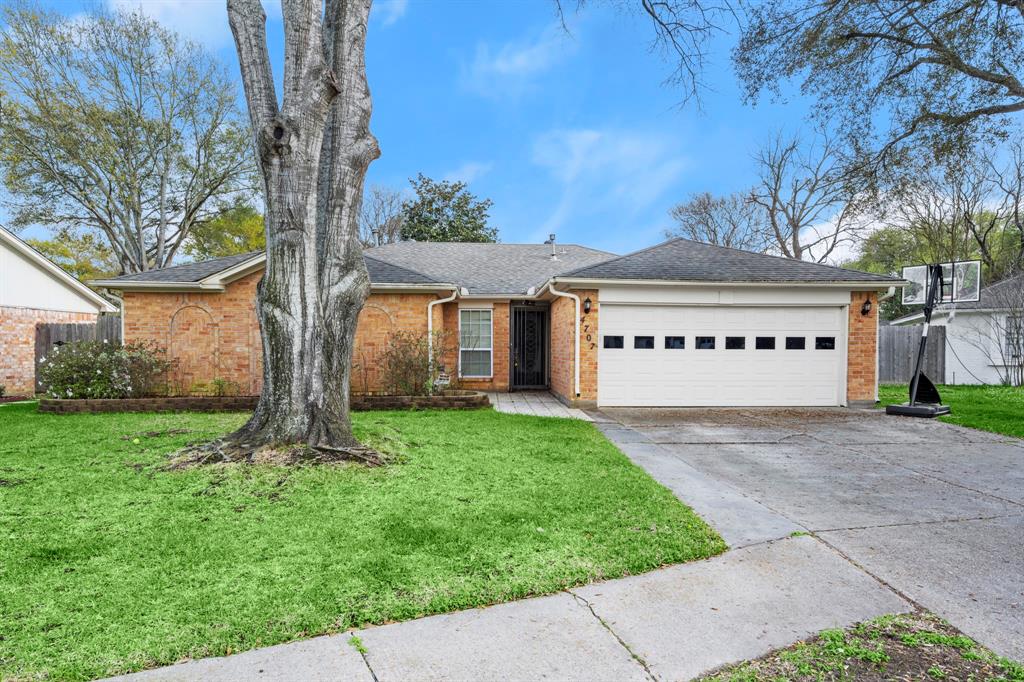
529 347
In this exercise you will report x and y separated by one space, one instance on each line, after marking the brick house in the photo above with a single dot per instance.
677 324
32 290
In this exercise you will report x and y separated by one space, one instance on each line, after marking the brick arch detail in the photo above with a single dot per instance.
376 322
194 343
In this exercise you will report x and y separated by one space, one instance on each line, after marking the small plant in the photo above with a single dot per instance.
357 644
224 387
3 390
100 369
406 365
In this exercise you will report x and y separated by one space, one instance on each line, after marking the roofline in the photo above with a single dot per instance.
60 273
939 312
838 284
157 287
235 271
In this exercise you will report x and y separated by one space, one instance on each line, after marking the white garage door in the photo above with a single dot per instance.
679 356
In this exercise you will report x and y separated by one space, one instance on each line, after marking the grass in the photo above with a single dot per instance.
914 646
999 409
109 564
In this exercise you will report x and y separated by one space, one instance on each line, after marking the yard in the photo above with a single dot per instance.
999 409
109 564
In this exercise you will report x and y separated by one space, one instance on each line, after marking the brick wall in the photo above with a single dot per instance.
216 334
563 310
862 361
500 378
18 344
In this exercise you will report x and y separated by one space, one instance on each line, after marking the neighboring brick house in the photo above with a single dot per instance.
677 324
32 290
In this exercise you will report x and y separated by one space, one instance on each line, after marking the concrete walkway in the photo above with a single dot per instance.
534 403
670 624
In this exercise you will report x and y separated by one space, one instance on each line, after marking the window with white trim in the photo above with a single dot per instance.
476 348
1014 337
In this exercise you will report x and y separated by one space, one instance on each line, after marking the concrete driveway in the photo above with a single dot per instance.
934 511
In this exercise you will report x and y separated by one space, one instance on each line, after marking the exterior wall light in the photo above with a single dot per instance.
866 308
586 305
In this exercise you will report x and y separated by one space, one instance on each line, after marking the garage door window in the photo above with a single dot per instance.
643 342
613 342
795 343
475 347
675 342
704 343
825 343
735 342
765 343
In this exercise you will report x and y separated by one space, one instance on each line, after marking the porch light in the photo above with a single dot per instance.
866 308
586 305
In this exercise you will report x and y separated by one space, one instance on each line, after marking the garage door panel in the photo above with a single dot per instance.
720 377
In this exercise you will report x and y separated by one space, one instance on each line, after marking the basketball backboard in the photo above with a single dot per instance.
961 283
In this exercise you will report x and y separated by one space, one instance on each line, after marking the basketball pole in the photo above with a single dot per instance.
935 279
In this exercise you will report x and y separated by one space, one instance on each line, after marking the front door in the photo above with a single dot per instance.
529 347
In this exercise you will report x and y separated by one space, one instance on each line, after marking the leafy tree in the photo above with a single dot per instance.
237 230
935 76
83 255
445 212
114 126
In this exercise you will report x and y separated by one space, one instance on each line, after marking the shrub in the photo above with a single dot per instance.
99 369
3 390
405 363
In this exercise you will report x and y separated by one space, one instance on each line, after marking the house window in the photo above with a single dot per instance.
1014 338
824 343
613 342
735 342
704 343
475 343
795 343
644 342
765 343
675 342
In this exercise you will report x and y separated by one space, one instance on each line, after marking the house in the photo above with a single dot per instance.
32 290
984 338
678 324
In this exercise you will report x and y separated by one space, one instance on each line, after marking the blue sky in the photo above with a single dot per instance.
573 134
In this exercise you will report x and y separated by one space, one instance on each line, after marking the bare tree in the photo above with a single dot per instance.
380 219
808 204
1009 182
997 330
113 126
313 148
902 76
732 221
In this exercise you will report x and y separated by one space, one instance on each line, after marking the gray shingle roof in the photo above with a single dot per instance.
380 271
683 260
189 272
1007 293
489 268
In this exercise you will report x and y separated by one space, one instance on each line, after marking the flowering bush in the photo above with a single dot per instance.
405 363
99 369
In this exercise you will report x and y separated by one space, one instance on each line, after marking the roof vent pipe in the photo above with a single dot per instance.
551 240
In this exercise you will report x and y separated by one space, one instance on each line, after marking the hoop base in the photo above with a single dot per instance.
927 411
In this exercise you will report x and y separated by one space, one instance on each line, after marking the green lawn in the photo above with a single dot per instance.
999 409
109 564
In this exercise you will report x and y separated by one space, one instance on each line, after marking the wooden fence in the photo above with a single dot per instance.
897 354
50 334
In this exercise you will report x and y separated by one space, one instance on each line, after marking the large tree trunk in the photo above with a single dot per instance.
314 151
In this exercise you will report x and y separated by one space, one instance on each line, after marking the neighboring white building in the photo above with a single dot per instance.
33 290
984 339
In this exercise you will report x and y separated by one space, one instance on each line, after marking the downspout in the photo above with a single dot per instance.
430 323
878 322
576 332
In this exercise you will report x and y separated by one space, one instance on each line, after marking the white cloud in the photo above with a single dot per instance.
204 21
389 11
468 172
507 70
608 174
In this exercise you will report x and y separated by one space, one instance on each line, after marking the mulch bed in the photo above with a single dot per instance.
914 646
449 400
13 398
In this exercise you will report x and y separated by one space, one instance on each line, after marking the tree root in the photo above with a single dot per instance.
224 451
